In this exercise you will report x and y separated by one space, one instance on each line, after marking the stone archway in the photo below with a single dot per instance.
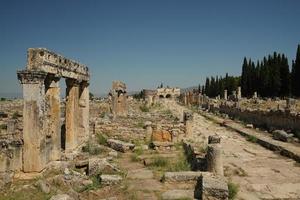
41 112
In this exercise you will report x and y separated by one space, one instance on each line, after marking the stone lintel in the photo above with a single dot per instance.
42 59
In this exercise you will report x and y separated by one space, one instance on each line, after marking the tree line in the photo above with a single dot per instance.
269 77
215 86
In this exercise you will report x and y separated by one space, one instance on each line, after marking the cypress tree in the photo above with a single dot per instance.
244 78
284 77
296 81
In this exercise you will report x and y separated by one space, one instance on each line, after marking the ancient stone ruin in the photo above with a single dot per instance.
42 129
118 97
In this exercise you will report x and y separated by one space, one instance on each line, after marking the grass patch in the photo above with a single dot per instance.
101 139
233 189
91 149
167 112
15 115
95 185
180 165
144 108
140 124
252 138
3 126
171 165
160 162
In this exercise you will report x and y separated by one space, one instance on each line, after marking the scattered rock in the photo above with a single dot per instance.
120 145
61 197
249 126
43 186
100 164
282 135
110 179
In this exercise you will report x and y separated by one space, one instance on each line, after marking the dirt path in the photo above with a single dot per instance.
259 172
140 180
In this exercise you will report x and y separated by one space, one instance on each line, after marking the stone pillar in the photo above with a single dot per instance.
34 150
149 130
255 95
239 92
234 94
188 121
225 95
185 99
214 159
53 128
83 133
72 111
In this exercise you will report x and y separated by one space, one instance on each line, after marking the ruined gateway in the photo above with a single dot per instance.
42 133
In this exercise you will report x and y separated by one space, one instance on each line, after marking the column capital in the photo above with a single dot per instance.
31 77
84 83
72 82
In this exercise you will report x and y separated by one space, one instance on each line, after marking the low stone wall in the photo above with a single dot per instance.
274 119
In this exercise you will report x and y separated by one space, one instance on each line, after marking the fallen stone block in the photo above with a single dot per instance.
120 145
161 136
182 176
110 179
281 135
97 165
211 187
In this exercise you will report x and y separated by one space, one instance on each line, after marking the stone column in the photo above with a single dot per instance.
34 150
83 133
225 95
149 130
188 121
53 129
72 108
239 92
185 99
214 159
255 95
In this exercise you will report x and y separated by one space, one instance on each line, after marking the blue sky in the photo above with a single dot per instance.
145 42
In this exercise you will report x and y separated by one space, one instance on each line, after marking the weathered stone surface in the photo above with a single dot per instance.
61 197
161 136
214 139
211 187
110 179
214 159
118 96
41 113
96 165
182 176
282 135
43 186
120 145
178 194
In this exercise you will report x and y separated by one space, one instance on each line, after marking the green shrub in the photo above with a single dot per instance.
3 126
144 108
252 138
2 99
233 189
15 115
